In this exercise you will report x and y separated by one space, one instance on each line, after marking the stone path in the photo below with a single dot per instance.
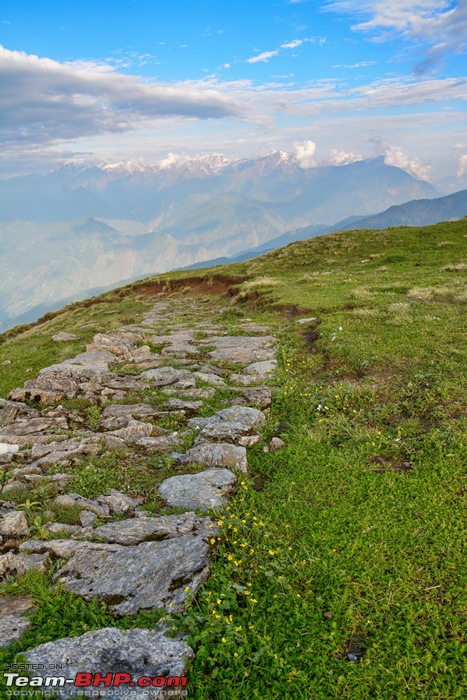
137 561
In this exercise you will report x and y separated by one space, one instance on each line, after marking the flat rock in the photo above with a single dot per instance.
263 369
70 499
18 564
159 444
119 502
179 349
259 397
63 337
135 410
136 530
251 417
11 410
225 431
220 454
134 431
12 620
63 549
129 579
6 448
166 376
210 378
180 405
205 490
302 321
62 528
190 393
139 652
14 524
87 518
242 349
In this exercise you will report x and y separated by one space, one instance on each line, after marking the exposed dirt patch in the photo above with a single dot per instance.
215 284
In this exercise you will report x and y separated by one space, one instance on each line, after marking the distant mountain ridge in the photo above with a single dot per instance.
422 212
81 227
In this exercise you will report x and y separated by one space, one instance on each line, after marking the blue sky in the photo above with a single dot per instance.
332 80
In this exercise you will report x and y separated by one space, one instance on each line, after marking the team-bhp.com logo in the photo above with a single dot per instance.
94 680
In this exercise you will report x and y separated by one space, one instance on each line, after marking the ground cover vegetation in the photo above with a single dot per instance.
338 567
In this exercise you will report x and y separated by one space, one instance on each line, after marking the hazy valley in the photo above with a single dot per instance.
81 228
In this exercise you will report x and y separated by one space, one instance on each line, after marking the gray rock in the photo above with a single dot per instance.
180 405
20 471
63 549
179 349
62 528
276 444
11 410
129 579
135 410
159 444
6 448
14 524
242 349
165 376
18 564
119 502
263 369
245 379
62 452
205 490
211 379
63 337
138 652
259 397
225 431
190 393
198 422
251 417
96 359
12 620
249 440
42 424
87 518
70 499
137 530
14 485
220 454
134 431
302 321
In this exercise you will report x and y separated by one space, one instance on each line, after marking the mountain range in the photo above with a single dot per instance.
82 227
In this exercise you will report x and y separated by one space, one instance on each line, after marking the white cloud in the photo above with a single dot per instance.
462 169
43 100
304 153
262 57
292 44
337 157
362 64
438 25
51 108
394 155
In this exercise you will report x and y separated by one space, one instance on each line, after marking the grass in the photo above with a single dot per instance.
338 569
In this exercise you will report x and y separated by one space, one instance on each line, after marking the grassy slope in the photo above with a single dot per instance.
349 540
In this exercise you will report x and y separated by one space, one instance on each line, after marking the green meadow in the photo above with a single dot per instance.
338 568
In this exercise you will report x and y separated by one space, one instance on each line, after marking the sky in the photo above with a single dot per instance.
332 81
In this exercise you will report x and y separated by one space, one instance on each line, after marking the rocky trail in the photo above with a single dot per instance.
141 392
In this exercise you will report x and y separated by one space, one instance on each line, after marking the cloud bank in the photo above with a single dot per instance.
49 101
